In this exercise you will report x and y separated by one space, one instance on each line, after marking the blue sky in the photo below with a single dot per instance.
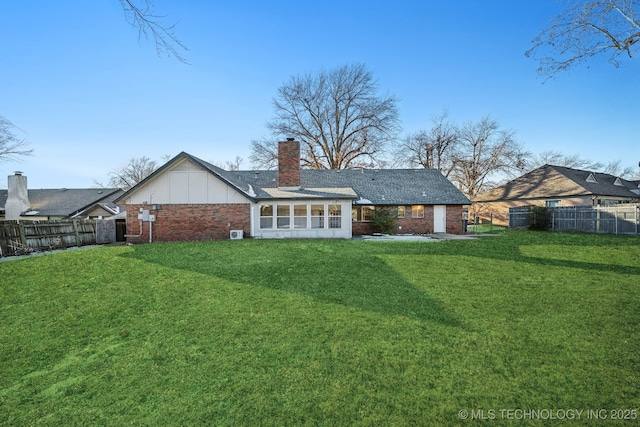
89 95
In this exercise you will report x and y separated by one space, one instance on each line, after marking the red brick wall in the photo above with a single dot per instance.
412 225
288 163
358 228
454 219
189 222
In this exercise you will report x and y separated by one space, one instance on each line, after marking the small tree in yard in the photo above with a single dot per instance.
538 218
384 220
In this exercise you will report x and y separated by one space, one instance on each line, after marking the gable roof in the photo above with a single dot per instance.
66 202
366 186
559 181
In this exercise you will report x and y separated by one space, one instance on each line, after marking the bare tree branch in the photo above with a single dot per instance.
135 171
585 30
12 147
150 26
558 158
433 148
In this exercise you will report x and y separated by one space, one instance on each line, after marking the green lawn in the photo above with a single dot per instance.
320 332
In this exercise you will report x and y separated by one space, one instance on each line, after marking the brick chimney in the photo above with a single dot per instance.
17 197
289 164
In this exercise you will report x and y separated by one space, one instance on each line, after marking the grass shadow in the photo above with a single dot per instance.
336 272
591 252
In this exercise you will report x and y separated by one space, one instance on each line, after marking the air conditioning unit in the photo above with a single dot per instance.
236 234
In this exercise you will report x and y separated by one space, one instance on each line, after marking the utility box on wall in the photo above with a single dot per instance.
144 214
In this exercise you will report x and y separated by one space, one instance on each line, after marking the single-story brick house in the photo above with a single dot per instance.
190 199
553 186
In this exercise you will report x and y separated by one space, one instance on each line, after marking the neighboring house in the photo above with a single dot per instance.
19 202
190 199
553 186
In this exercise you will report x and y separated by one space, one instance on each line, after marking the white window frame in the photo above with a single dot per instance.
266 216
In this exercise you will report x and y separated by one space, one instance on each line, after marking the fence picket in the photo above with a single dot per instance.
45 235
589 219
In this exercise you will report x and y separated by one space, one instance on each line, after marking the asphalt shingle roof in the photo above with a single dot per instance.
372 186
559 181
66 202
365 186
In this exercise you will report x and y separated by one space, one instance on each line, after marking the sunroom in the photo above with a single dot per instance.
303 214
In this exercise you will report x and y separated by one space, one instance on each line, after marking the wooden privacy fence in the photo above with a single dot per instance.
608 220
24 237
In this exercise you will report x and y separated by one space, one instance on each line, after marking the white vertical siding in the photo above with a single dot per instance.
186 183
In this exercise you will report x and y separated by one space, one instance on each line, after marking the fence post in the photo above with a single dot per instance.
75 230
575 218
23 237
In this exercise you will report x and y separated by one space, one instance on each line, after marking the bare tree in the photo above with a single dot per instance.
11 145
485 151
140 15
616 169
558 158
135 171
338 117
433 148
233 165
587 29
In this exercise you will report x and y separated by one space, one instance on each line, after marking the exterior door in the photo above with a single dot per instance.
439 219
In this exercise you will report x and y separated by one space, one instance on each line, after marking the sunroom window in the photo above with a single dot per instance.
335 216
317 216
284 216
266 216
300 216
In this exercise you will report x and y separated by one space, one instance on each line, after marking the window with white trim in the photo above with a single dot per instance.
266 216
299 216
317 216
335 216
417 211
284 216
400 211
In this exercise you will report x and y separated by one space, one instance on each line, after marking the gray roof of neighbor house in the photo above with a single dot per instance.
560 181
365 186
66 202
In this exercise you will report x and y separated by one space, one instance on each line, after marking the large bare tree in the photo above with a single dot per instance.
432 148
338 116
587 29
11 145
486 151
